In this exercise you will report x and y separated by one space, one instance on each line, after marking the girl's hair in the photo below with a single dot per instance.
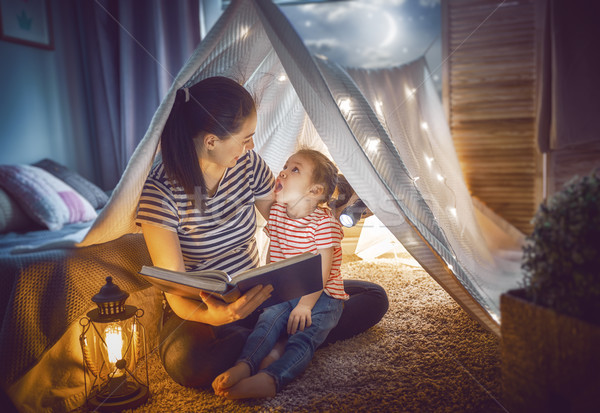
324 173
215 105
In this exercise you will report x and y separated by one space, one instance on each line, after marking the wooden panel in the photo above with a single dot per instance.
567 164
489 97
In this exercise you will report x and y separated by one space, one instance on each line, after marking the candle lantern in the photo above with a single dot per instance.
113 342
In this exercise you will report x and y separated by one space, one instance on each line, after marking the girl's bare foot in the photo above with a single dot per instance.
230 378
274 354
258 386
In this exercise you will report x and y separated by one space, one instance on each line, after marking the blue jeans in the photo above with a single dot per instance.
193 354
300 346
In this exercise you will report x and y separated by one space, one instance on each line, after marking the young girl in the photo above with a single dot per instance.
299 221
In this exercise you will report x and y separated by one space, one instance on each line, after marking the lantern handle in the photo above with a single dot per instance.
87 359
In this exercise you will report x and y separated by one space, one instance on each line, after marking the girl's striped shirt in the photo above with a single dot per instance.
318 230
222 237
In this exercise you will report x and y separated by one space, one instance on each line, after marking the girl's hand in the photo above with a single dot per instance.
299 318
219 313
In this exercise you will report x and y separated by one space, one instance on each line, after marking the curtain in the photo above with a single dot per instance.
131 51
568 81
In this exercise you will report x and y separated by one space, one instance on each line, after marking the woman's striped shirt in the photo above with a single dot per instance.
222 237
318 230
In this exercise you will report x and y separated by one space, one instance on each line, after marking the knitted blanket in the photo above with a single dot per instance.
43 292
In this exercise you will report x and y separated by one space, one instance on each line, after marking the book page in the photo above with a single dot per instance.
206 280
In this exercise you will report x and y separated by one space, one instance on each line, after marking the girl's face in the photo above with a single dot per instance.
295 180
226 152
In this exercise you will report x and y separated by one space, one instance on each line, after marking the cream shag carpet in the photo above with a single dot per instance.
426 355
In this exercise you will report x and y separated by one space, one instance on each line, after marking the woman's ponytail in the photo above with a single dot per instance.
178 149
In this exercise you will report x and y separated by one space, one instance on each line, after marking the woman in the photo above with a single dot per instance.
197 212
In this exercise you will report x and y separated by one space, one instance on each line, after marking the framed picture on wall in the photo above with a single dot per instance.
26 22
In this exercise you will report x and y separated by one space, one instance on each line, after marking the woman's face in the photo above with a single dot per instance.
226 152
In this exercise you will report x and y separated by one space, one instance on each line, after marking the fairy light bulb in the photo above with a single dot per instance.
424 126
372 144
410 92
244 32
450 267
440 177
282 78
453 211
345 106
429 160
379 107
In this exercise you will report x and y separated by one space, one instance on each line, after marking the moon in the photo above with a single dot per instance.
391 35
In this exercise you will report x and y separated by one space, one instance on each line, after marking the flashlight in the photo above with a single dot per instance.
352 213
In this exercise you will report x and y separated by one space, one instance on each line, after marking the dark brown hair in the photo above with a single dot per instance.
215 105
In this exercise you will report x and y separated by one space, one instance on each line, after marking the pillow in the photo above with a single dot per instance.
87 189
79 209
12 217
43 197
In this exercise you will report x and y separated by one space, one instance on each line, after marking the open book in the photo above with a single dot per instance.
291 278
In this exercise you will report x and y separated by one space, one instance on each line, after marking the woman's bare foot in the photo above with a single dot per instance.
274 354
258 386
230 378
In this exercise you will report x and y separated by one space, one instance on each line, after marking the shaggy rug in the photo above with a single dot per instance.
426 355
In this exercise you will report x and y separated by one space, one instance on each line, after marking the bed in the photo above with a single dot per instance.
47 284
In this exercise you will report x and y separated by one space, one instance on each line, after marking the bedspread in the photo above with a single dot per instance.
43 292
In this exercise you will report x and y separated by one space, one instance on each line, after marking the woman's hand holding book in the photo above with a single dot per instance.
219 312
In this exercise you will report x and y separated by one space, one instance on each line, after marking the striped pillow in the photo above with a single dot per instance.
44 198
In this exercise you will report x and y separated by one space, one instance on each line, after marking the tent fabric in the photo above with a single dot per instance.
385 129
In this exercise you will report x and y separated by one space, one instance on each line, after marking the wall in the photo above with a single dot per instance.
42 110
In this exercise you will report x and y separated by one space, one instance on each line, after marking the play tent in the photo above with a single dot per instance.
386 131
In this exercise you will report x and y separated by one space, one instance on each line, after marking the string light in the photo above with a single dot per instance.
372 144
410 92
452 210
244 32
282 78
345 106
379 107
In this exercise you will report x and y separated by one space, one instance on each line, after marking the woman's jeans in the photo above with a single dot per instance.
300 346
193 354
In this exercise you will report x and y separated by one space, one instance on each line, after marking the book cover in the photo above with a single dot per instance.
291 278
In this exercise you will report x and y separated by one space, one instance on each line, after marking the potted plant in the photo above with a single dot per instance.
551 326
